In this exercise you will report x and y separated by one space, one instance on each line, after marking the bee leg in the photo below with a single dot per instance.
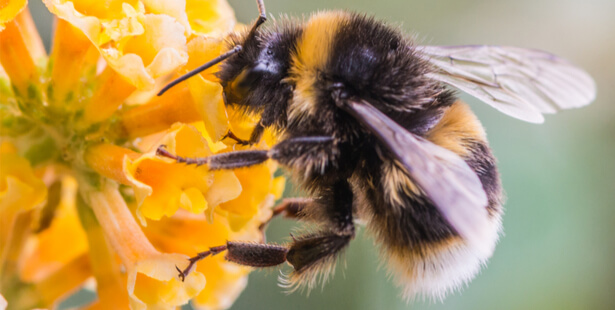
313 253
238 140
229 160
256 135
308 254
291 208
243 253
241 159
316 253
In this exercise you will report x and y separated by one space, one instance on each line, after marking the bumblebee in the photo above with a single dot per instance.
370 128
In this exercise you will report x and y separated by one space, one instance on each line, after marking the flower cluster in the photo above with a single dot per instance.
82 193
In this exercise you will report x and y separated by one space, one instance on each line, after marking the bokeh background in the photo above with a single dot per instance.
558 248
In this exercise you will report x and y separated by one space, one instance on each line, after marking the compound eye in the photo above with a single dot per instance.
247 80
249 77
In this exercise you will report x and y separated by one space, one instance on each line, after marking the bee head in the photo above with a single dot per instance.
253 78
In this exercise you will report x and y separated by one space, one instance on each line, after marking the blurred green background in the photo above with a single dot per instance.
558 247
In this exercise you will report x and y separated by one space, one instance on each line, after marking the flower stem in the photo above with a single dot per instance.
109 95
16 58
121 228
11 251
69 58
111 286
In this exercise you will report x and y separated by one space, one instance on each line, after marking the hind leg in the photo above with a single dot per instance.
309 254
315 253
290 208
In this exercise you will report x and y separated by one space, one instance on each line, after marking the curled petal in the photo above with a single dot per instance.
141 47
89 25
9 10
152 276
162 46
225 281
190 233
124 27
162 187
153 283
106 10
145 57
173 8
210 17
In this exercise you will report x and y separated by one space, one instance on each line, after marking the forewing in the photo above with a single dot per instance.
447 179
522 83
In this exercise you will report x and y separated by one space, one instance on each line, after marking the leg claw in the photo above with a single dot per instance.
192 260
182 274
238 140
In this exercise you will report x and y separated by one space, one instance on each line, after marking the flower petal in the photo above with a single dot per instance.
141 47
208 98
3 303
205 87
160 113
10 9
190 233
210 17
173 8
162 187
72 57
153 282
65 232
225 281
20 54
20 190
257 183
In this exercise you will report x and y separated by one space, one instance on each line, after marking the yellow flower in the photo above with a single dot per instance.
44 258
152 279
83 194
183 233
20 191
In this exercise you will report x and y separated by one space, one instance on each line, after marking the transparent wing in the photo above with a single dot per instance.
522 83
447 179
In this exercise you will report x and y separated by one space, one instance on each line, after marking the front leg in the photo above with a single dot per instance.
309 158
311 151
